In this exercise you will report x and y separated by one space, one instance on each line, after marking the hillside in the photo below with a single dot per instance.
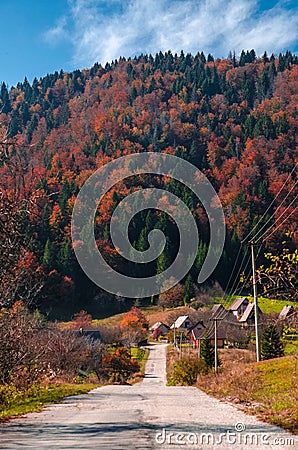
235 119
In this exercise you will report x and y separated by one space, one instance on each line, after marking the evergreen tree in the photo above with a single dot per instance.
5 101
65 257
49 255
207 352
271 345
189 291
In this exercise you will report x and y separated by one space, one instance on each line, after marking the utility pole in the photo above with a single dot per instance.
174 334
215 319
215 346
255 302
180 350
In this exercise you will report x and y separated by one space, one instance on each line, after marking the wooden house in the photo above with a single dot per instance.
286 313
248 317
218 311
182 322
239 306
159 328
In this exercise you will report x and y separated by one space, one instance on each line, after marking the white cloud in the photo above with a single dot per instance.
105 30
56 33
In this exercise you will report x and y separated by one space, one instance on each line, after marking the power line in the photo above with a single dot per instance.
271 204
272 216
287 218
281 215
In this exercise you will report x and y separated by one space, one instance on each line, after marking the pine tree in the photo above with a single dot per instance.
189 291
271 345
207 352
5 101
49 255
65 257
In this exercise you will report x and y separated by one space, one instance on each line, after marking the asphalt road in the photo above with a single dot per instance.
148 415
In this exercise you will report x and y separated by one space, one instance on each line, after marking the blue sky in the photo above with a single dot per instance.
40 36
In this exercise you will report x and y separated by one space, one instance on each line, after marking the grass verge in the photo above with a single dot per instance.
141 355
18 403
268 389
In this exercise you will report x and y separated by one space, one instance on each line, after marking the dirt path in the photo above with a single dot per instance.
148 415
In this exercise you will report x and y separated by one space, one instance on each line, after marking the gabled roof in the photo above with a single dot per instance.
180 321
200 322
249 312
197 333
157 325
95 335
237 303
218 311
287 310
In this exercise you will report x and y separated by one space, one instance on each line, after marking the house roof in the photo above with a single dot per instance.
95 335
218 311
248 313
157 325
288 309
237 303
199 334
179 321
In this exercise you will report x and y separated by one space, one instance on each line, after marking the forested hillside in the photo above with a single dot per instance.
235 119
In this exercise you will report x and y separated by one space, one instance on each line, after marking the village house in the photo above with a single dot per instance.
239 306
159 328
248 317
92 334
286 313
183 322
197 335
218 311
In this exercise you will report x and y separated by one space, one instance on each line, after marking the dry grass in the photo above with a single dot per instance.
268 389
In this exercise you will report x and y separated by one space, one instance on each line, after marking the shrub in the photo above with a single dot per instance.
185 371
118 366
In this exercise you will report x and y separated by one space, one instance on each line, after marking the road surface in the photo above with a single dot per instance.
148 415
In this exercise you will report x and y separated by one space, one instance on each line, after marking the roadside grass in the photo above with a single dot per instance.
268 389
14 403
141 355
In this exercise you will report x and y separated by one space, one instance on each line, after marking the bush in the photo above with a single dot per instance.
185 371
118 366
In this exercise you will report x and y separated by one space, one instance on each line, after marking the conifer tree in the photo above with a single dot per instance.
207 352
271 345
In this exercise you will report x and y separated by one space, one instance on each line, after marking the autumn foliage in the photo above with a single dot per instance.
235 119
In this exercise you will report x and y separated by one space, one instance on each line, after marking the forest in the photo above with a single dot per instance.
235 119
